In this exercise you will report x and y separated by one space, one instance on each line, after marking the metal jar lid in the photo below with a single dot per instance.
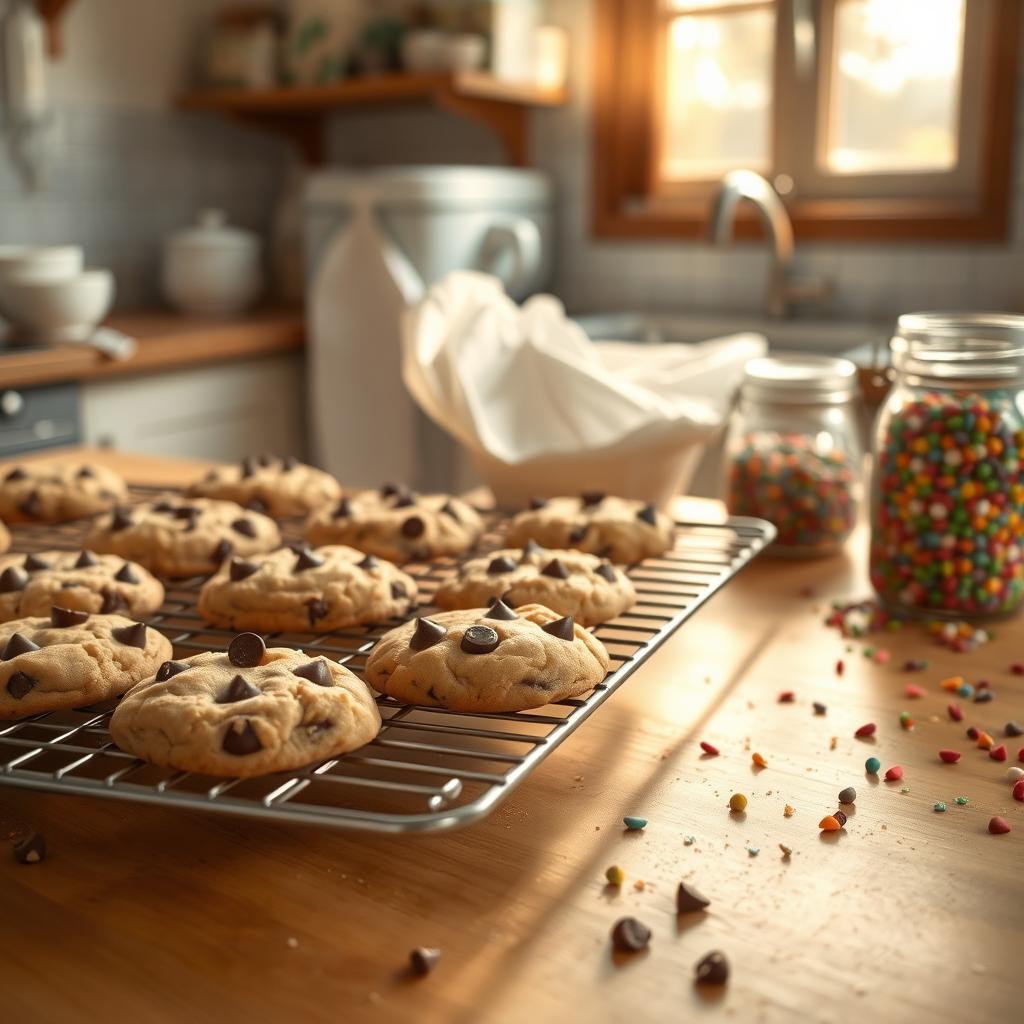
798 379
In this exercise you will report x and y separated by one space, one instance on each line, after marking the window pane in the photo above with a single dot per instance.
718 94
895 85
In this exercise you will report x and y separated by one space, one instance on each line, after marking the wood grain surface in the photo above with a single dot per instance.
157 915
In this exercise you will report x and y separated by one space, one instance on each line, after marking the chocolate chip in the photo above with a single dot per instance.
120 519
16 474
398 590
389 489
17 644
648 515
185 512
689 900
984 696
555 569
848 795
211 475
164 506
246 650
316 672
238 689
112 601
85 560
630 936
30 850
1013 729
241 570
245 527
107 495
840 816
423 960
500 610
343 510
607 571
589 498
413 527
221 551
307 560
12 578
538 503
19 685
819 708
530 549
169 669
564 628
255 505
479 640
33 563
248 467
241 741
131 636
316 609
501 564
369 562
405 500
426 634
31 505
62 618
266 459
126 574
289 462
449 510
713 969
577 533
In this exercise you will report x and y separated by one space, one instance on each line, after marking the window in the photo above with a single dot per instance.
887 119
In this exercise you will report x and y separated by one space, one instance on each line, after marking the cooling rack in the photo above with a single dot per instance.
429 769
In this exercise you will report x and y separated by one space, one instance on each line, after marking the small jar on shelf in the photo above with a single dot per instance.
793 451
947 502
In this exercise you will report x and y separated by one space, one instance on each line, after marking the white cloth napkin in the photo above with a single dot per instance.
517 382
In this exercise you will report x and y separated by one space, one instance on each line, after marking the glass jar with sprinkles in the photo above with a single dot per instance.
793 451
947 513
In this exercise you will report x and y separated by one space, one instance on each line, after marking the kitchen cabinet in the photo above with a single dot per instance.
220 412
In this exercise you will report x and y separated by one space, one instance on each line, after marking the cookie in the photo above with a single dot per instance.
32 584
568 582
487 659
620 529
247 712
311 589
173 536
398 525
266 483
54 492
5 538
71 659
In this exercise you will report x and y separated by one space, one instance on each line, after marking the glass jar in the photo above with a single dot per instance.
793 451
947 509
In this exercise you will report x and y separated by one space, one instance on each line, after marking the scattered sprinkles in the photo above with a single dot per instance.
787 697
955 713
872 765
999 826
759 761
866 730
949 756
963 801
634 824
615 875
709 749
906 722
998 753
848 795
894 774
737 802
829 823
788 811
913 691
938 806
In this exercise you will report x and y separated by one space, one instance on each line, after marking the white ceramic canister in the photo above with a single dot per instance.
211 268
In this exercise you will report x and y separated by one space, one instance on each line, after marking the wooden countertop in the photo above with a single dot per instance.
167 341
907 914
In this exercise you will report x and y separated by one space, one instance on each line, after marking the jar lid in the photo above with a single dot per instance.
959 345
212 231
798 379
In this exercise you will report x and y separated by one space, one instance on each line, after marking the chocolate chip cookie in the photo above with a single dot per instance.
248 712
310 589
569 582
32 584
398 525
620 529
266 483
71 659
178 537
54 492
487 659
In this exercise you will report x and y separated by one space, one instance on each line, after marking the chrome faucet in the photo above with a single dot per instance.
783 290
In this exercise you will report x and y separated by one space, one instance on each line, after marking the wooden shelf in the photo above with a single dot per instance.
298 111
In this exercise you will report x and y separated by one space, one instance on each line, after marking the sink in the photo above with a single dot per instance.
822 336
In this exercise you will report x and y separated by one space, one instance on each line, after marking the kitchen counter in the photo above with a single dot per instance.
154 914
166 341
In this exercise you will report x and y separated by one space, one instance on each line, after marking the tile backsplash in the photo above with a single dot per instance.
119 180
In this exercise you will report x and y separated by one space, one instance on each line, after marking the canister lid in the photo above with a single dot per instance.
798 379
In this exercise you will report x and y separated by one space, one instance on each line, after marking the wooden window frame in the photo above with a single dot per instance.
625 108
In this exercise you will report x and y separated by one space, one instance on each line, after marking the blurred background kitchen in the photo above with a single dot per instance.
262 188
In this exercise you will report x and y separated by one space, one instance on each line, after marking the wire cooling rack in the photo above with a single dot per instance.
429 769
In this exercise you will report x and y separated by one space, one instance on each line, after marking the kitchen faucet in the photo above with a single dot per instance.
783 291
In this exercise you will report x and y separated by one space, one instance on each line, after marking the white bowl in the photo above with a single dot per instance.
58 310
37 262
